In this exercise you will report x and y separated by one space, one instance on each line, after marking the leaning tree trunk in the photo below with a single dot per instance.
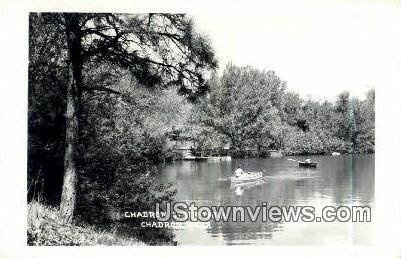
68 195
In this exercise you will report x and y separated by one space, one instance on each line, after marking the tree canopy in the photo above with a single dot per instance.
244 104
250 108
88 53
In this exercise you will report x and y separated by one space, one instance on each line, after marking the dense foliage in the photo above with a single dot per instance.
45 227
251 109
103 89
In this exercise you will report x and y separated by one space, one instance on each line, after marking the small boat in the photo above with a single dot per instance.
246 177
335 154
307 164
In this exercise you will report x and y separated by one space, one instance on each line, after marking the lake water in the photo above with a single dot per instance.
337 181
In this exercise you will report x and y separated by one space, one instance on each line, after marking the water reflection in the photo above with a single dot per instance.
338 180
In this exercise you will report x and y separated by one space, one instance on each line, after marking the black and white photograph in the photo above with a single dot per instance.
245 125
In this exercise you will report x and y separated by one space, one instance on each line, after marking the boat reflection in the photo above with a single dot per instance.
239 188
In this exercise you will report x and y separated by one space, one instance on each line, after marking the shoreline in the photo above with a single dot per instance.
228 158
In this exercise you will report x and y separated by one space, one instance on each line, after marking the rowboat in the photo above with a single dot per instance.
246 177
307 164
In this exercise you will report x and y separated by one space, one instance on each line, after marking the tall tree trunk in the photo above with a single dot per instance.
68 195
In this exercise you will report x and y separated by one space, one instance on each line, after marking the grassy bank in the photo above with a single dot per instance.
45 227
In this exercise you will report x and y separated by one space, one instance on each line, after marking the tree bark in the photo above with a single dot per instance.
68 195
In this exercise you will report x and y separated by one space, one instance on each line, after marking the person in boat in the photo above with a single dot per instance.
239 171
308 161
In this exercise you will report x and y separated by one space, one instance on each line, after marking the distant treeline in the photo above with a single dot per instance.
252 109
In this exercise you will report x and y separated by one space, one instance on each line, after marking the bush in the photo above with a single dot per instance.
298 142
117 170
114 181
45 227
104 205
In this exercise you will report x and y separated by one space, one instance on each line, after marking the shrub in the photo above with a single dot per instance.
45 227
